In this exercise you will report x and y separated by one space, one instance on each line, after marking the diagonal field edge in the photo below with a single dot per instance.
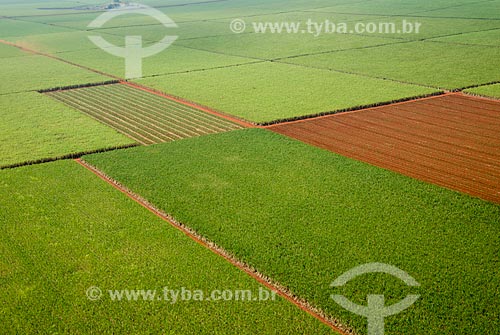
334 325
309 118
180 100
468 179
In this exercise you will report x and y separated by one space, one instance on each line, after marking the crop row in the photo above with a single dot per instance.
143 116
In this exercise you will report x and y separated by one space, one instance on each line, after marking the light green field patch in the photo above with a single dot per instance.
78 20
304 216
25 8
426 63
156 32
66 230
270 46
487 9
172 59
268 91
16 28
35 72
384 7
406 27
492 91
64 42
216 10
36 127
7 51
489 37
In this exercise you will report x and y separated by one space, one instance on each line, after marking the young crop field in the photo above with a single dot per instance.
143 116
283 91
222 134
42 72
34 127
65 230
303 216
458 66
451 140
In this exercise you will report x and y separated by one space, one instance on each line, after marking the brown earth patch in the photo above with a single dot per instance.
451 140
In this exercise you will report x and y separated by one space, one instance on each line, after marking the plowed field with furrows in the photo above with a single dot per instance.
451 140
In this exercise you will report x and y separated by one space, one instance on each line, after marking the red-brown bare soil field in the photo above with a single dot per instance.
451 140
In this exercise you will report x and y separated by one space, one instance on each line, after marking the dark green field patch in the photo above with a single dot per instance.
304 216
64 230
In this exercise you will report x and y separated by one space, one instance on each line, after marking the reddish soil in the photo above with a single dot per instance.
451 140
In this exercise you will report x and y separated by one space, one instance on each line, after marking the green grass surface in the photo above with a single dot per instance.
426 63
489 38
431 27
36 127
482 10
16 28
270 46
171 60
269 91
35 72
64 42
388 7
8 51
492 91
303 216
24 8
65 230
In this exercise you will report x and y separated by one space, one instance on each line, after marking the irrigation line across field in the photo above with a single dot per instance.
263 280
59 59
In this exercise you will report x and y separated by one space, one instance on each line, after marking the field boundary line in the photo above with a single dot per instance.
306 118
193 235
68 156
185 102
478 96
